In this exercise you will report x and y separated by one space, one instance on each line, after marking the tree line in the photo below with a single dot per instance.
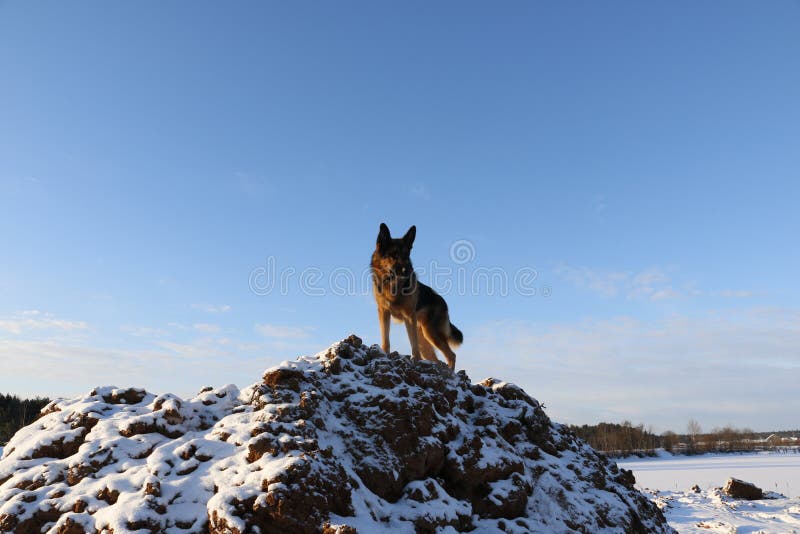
16 413
626 439
619 439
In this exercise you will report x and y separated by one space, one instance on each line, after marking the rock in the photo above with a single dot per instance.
626 478
349 439
739 489
121 396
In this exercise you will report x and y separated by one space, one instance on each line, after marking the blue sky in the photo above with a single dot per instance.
641 158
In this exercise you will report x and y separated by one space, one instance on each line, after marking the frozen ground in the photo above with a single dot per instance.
668 480
770 471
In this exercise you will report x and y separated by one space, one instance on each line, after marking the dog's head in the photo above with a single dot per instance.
392 257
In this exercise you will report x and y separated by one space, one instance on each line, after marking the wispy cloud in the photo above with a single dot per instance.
649 284
64 369
736 293
282 331
208 328
212 308
143 331
37 320
666 293
198 349
653 284
172 328
605 283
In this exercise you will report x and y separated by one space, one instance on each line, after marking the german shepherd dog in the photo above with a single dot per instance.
401 296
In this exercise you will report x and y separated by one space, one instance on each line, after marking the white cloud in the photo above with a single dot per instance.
143 331
653 284
664 294
54 369
606 284
212 308
736 293
151 332
36 320
206 327
198 349
723 367
650 284
280 331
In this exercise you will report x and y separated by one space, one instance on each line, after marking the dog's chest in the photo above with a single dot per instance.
401 305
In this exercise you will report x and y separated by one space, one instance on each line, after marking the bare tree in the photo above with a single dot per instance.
669 440
694 429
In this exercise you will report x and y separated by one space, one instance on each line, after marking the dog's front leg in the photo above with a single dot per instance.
411 328
384 318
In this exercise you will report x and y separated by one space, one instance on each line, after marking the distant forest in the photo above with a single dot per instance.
16 413
625 439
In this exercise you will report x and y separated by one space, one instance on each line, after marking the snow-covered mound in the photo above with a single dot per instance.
350 440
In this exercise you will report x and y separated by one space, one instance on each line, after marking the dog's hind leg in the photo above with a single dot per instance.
436 337
425 347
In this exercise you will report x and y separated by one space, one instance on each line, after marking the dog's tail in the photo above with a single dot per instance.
455 338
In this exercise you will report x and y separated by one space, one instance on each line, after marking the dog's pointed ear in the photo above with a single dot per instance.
383 236
408 239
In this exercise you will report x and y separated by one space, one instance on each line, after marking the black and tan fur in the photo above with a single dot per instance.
401 296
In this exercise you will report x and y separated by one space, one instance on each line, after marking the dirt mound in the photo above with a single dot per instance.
350 440
739 489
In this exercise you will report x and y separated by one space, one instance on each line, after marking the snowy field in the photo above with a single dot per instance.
770 471
668 479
